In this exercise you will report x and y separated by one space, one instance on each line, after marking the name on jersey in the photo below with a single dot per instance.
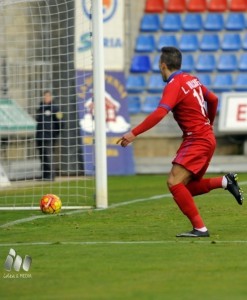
193 83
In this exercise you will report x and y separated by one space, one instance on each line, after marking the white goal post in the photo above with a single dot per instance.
100 117
37 55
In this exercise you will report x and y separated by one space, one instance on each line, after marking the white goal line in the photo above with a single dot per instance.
85 243
38 208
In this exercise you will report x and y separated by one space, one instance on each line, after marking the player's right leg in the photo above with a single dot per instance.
233 187
205 185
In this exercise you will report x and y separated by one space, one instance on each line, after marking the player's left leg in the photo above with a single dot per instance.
177 180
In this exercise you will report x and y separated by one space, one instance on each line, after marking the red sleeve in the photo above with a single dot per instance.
212 103
154 118
170 95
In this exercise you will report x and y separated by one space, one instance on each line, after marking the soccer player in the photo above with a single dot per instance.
194 108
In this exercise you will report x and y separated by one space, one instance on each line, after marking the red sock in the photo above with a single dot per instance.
203 186
185 202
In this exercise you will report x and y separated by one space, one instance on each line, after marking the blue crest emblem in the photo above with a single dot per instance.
109 9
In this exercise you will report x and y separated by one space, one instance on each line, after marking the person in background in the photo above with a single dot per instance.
49 123
194 108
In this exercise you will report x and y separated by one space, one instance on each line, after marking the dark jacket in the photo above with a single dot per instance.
49 122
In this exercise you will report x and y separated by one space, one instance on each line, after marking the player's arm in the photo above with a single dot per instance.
167 102
212 103
154 118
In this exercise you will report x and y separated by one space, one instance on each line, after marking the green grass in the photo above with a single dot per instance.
75 255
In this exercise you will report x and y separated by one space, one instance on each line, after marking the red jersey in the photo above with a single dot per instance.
193 105
186 97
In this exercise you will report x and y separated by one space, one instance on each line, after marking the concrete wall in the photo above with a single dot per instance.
13 51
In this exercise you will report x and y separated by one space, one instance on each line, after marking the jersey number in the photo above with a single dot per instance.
200 99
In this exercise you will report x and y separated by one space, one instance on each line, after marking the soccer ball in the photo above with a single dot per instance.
50 204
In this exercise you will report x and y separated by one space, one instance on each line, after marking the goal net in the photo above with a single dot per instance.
41 148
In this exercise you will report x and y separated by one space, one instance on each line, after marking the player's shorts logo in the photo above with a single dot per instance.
109 8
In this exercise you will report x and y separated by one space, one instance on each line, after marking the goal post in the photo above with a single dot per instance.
99 100
38 54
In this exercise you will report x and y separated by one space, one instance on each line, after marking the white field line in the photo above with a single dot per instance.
85 243
30 219
25 220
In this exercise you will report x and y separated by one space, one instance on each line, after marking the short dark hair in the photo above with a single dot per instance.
46 92
172 57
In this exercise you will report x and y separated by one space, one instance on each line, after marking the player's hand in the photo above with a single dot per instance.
126 139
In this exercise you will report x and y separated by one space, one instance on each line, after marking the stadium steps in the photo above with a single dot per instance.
219 164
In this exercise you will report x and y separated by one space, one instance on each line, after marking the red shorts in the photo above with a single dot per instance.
195 153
